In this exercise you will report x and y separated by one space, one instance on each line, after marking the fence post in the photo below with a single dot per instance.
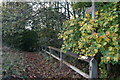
45 48
42 48
61 60
93 69
50 51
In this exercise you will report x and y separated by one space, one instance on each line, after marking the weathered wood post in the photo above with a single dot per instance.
50 51
93 69
42 48
45 48
93 9
61 60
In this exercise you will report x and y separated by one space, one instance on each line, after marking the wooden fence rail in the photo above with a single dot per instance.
93 68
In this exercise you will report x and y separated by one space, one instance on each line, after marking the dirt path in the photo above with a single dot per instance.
21 65
38 66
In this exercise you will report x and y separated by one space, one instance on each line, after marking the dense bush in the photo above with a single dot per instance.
48 37
91 37
29 40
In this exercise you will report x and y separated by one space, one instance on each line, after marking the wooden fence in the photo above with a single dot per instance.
93 68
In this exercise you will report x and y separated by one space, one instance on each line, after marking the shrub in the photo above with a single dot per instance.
90 37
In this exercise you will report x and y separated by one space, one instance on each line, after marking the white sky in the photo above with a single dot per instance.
32 0
60 0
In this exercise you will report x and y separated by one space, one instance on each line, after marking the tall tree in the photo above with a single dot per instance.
14 18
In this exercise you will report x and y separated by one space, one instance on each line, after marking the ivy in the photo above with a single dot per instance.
90 37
